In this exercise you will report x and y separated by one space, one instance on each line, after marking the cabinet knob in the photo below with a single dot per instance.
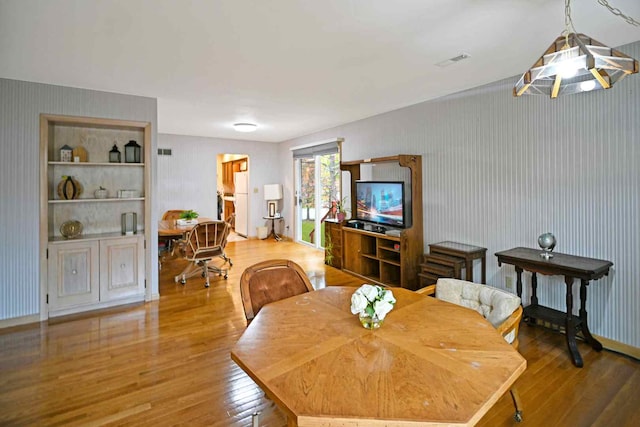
122 266
74 271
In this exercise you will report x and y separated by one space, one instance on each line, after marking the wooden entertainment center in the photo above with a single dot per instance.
377 257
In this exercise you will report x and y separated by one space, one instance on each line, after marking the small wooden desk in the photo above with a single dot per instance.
468 252
431 363
571 267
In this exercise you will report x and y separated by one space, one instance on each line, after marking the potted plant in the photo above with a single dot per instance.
188 217
341 206
328 250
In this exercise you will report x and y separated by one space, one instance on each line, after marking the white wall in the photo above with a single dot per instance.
21 104
188 178
498 171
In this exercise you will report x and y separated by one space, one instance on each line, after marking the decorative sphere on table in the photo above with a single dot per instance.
547 242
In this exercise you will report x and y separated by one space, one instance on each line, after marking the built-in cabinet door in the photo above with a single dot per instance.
73 274
352 246
121 268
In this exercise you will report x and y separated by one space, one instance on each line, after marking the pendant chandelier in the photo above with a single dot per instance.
576 63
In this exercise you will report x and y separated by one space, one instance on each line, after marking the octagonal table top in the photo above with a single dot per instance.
430 364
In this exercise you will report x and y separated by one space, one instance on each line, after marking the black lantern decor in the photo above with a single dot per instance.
114 155
132 152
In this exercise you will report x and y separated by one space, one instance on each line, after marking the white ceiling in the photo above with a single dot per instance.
291 66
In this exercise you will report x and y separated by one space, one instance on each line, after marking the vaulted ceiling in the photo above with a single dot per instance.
291 66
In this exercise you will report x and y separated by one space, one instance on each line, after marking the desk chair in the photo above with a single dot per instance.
203 243
271 281
502 309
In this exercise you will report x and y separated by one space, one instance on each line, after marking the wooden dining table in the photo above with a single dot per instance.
170 227
431 363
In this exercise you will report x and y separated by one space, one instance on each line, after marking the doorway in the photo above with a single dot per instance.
233 193
318 188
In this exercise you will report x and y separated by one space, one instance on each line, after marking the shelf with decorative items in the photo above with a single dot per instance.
91 192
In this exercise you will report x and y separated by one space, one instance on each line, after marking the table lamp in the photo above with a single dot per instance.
272 193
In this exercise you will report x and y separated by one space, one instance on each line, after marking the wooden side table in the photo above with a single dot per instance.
273 227
571 267
468 252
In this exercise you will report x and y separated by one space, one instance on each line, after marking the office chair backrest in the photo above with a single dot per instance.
270 281
206 240
172 214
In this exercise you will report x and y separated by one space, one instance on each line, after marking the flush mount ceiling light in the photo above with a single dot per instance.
576 63
245 127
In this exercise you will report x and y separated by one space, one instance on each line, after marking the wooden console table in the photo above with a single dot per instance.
571 267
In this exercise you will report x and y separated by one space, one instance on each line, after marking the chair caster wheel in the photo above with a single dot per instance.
230 264
225 276
518 416
206 285
184 282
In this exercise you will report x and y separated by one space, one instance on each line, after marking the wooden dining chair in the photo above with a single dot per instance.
166 244
270 281
502 309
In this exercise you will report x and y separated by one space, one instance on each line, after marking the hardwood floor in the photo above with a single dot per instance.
167 362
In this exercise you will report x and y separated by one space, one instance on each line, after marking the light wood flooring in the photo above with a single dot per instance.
167 362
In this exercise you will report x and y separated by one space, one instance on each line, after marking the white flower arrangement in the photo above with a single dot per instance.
372 301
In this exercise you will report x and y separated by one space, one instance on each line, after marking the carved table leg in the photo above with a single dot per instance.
570 327
519 281
584 327
534 289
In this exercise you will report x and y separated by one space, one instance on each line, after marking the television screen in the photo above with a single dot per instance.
381 202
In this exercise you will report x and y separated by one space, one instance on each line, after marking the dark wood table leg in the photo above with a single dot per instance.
534 289
469 268
273 230
519 281
484 270
584 327
570 326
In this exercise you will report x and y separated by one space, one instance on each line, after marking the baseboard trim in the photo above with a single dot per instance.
17 321
619 347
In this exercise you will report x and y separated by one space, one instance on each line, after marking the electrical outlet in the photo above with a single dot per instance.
508 283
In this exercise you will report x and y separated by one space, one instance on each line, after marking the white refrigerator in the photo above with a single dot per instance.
241 196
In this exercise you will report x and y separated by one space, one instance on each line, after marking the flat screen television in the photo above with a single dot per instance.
382 202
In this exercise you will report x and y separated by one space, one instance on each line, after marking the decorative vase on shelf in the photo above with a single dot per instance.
69 188
71 229
101 193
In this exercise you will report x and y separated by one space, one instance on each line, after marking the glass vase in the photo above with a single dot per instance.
370 322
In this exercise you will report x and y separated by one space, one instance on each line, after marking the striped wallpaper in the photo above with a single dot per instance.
21 104
499 171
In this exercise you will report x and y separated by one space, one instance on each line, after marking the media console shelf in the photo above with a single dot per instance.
377 257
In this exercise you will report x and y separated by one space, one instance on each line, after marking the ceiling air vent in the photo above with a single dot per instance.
453 60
